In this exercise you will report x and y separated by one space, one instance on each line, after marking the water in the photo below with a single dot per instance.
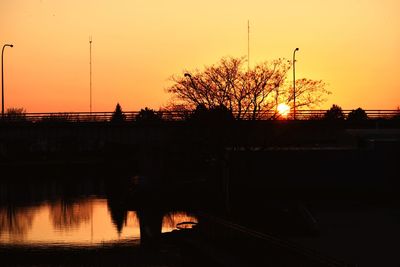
73 214
77 211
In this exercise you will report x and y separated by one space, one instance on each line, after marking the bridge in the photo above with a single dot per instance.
180 115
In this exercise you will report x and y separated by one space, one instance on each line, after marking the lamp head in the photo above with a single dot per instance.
297 49
11 45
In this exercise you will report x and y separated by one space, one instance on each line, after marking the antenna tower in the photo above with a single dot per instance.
90 74
248 45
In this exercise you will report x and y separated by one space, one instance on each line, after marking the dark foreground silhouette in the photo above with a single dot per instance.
251 208
298 194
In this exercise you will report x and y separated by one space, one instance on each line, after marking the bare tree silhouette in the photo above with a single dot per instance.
244 91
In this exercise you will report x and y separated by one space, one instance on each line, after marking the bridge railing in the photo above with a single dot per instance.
181 115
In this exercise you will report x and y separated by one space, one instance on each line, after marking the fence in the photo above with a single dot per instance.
182 115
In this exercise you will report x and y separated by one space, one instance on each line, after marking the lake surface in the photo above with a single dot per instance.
77 213
89 211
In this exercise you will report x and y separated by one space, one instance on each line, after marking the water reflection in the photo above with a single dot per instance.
78 211
89 221
66 215
118 213
15 222
171 219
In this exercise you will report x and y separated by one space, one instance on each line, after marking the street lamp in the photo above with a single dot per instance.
294 83
2 80
188 75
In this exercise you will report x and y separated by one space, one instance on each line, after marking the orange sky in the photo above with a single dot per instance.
353 45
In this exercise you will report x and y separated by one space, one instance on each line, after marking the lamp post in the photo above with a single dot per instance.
188 75
2 80
294 83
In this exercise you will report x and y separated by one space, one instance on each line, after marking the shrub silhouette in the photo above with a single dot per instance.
335 113
200 113
219 114
15 114
57 118
357 115
148 115
118 115
397 115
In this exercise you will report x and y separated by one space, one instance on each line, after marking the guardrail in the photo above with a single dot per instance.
181 115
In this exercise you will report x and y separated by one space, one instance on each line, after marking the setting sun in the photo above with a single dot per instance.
283 109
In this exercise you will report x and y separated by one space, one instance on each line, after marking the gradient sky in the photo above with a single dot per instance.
353 45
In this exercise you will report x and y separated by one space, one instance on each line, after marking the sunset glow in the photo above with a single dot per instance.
138 45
